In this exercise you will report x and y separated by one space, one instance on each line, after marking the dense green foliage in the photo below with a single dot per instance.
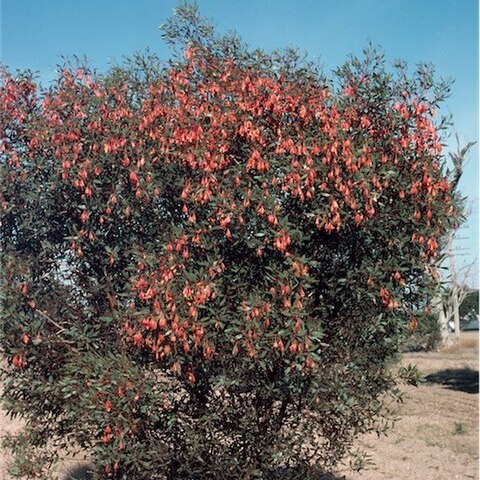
426 336
207 268
469 306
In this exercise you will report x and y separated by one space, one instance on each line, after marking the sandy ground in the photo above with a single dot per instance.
436 436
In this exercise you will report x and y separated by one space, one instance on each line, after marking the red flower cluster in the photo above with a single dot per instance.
252 148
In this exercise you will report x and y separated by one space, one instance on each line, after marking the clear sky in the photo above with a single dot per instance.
36 33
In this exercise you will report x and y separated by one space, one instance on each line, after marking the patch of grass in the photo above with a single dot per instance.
458 439
468 341
459 428
433 435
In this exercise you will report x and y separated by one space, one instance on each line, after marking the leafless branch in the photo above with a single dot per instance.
458 160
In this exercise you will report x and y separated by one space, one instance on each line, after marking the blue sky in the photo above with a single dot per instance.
36 33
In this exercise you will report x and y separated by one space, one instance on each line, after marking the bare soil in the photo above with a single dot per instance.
435 438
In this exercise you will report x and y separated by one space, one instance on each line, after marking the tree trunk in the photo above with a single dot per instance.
447 337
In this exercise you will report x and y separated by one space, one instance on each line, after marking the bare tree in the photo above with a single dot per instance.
454 296
447 305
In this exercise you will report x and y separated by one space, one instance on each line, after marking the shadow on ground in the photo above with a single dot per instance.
458 379
84 472
296 474
80 472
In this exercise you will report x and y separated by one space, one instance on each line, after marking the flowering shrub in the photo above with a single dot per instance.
208 268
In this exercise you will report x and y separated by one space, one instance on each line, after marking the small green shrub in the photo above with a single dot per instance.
459 428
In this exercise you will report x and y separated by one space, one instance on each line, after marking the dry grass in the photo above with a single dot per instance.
468 341
436 437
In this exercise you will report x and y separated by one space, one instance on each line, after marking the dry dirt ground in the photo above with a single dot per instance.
436 436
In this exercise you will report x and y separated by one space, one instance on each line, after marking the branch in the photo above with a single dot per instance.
49 319
110 294
458 160
61 329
